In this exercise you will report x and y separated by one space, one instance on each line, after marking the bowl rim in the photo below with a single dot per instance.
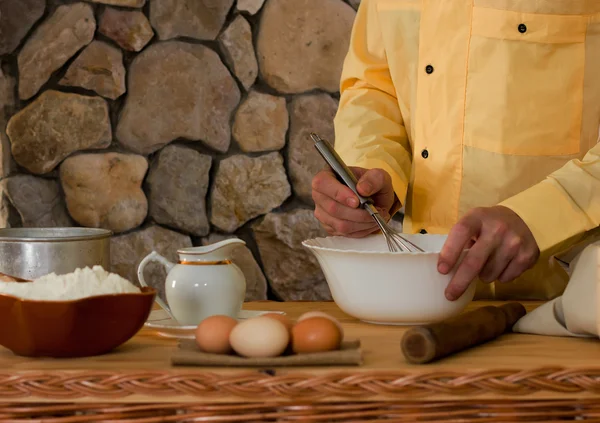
58 234
311 243
145 291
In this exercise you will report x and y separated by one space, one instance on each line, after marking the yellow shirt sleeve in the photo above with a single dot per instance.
369 129
564 208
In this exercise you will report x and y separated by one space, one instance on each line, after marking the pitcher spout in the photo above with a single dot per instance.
218 252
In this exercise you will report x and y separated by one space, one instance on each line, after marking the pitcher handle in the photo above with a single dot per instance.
155 257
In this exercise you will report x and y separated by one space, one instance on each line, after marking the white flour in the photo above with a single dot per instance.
81 283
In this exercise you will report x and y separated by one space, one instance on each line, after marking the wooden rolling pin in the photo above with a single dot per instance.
423 344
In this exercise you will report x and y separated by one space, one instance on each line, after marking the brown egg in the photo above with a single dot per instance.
315 334
282 318
212 334
310 314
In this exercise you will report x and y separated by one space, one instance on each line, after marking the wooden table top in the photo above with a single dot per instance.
512 366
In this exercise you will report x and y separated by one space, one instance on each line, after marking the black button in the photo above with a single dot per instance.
425 153
423 231
522 28
429 69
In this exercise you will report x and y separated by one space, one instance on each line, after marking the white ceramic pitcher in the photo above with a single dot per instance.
203 283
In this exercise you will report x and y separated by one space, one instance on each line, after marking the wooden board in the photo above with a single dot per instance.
514 366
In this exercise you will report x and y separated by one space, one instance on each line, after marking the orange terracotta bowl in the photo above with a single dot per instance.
77 328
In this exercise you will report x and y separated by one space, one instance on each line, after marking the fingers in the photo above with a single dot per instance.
360 234
374 181
328 228
343 227
470 267
331 208
340 211
494 267
337 207
504 248
377 184
501 258
522 262
459 238
326 183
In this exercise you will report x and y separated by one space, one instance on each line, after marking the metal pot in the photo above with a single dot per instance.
29 253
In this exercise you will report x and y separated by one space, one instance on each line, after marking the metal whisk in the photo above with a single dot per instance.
394 240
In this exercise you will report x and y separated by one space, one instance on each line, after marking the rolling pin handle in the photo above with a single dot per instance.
423 344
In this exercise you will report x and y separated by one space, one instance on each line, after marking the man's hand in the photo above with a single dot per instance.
501 248
337 207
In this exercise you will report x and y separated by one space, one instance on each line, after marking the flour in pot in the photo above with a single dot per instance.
79 284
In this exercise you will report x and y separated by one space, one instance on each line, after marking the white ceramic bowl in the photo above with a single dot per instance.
376 286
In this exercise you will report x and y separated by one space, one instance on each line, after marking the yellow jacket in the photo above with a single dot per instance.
471 103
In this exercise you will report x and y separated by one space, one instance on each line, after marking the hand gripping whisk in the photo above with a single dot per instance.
394 240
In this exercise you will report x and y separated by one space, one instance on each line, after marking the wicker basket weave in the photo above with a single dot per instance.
513 379
261 387
455 411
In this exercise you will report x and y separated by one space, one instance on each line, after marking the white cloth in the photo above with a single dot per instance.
575 313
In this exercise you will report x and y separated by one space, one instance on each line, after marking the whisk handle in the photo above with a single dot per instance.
338 166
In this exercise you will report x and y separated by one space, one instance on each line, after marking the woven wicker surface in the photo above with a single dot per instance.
468 411
520 367
160 386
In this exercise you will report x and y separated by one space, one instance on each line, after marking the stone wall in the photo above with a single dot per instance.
173 123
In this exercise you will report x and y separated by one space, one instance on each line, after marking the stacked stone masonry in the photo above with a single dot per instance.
173 123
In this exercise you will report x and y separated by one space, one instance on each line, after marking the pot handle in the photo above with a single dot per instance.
154 256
